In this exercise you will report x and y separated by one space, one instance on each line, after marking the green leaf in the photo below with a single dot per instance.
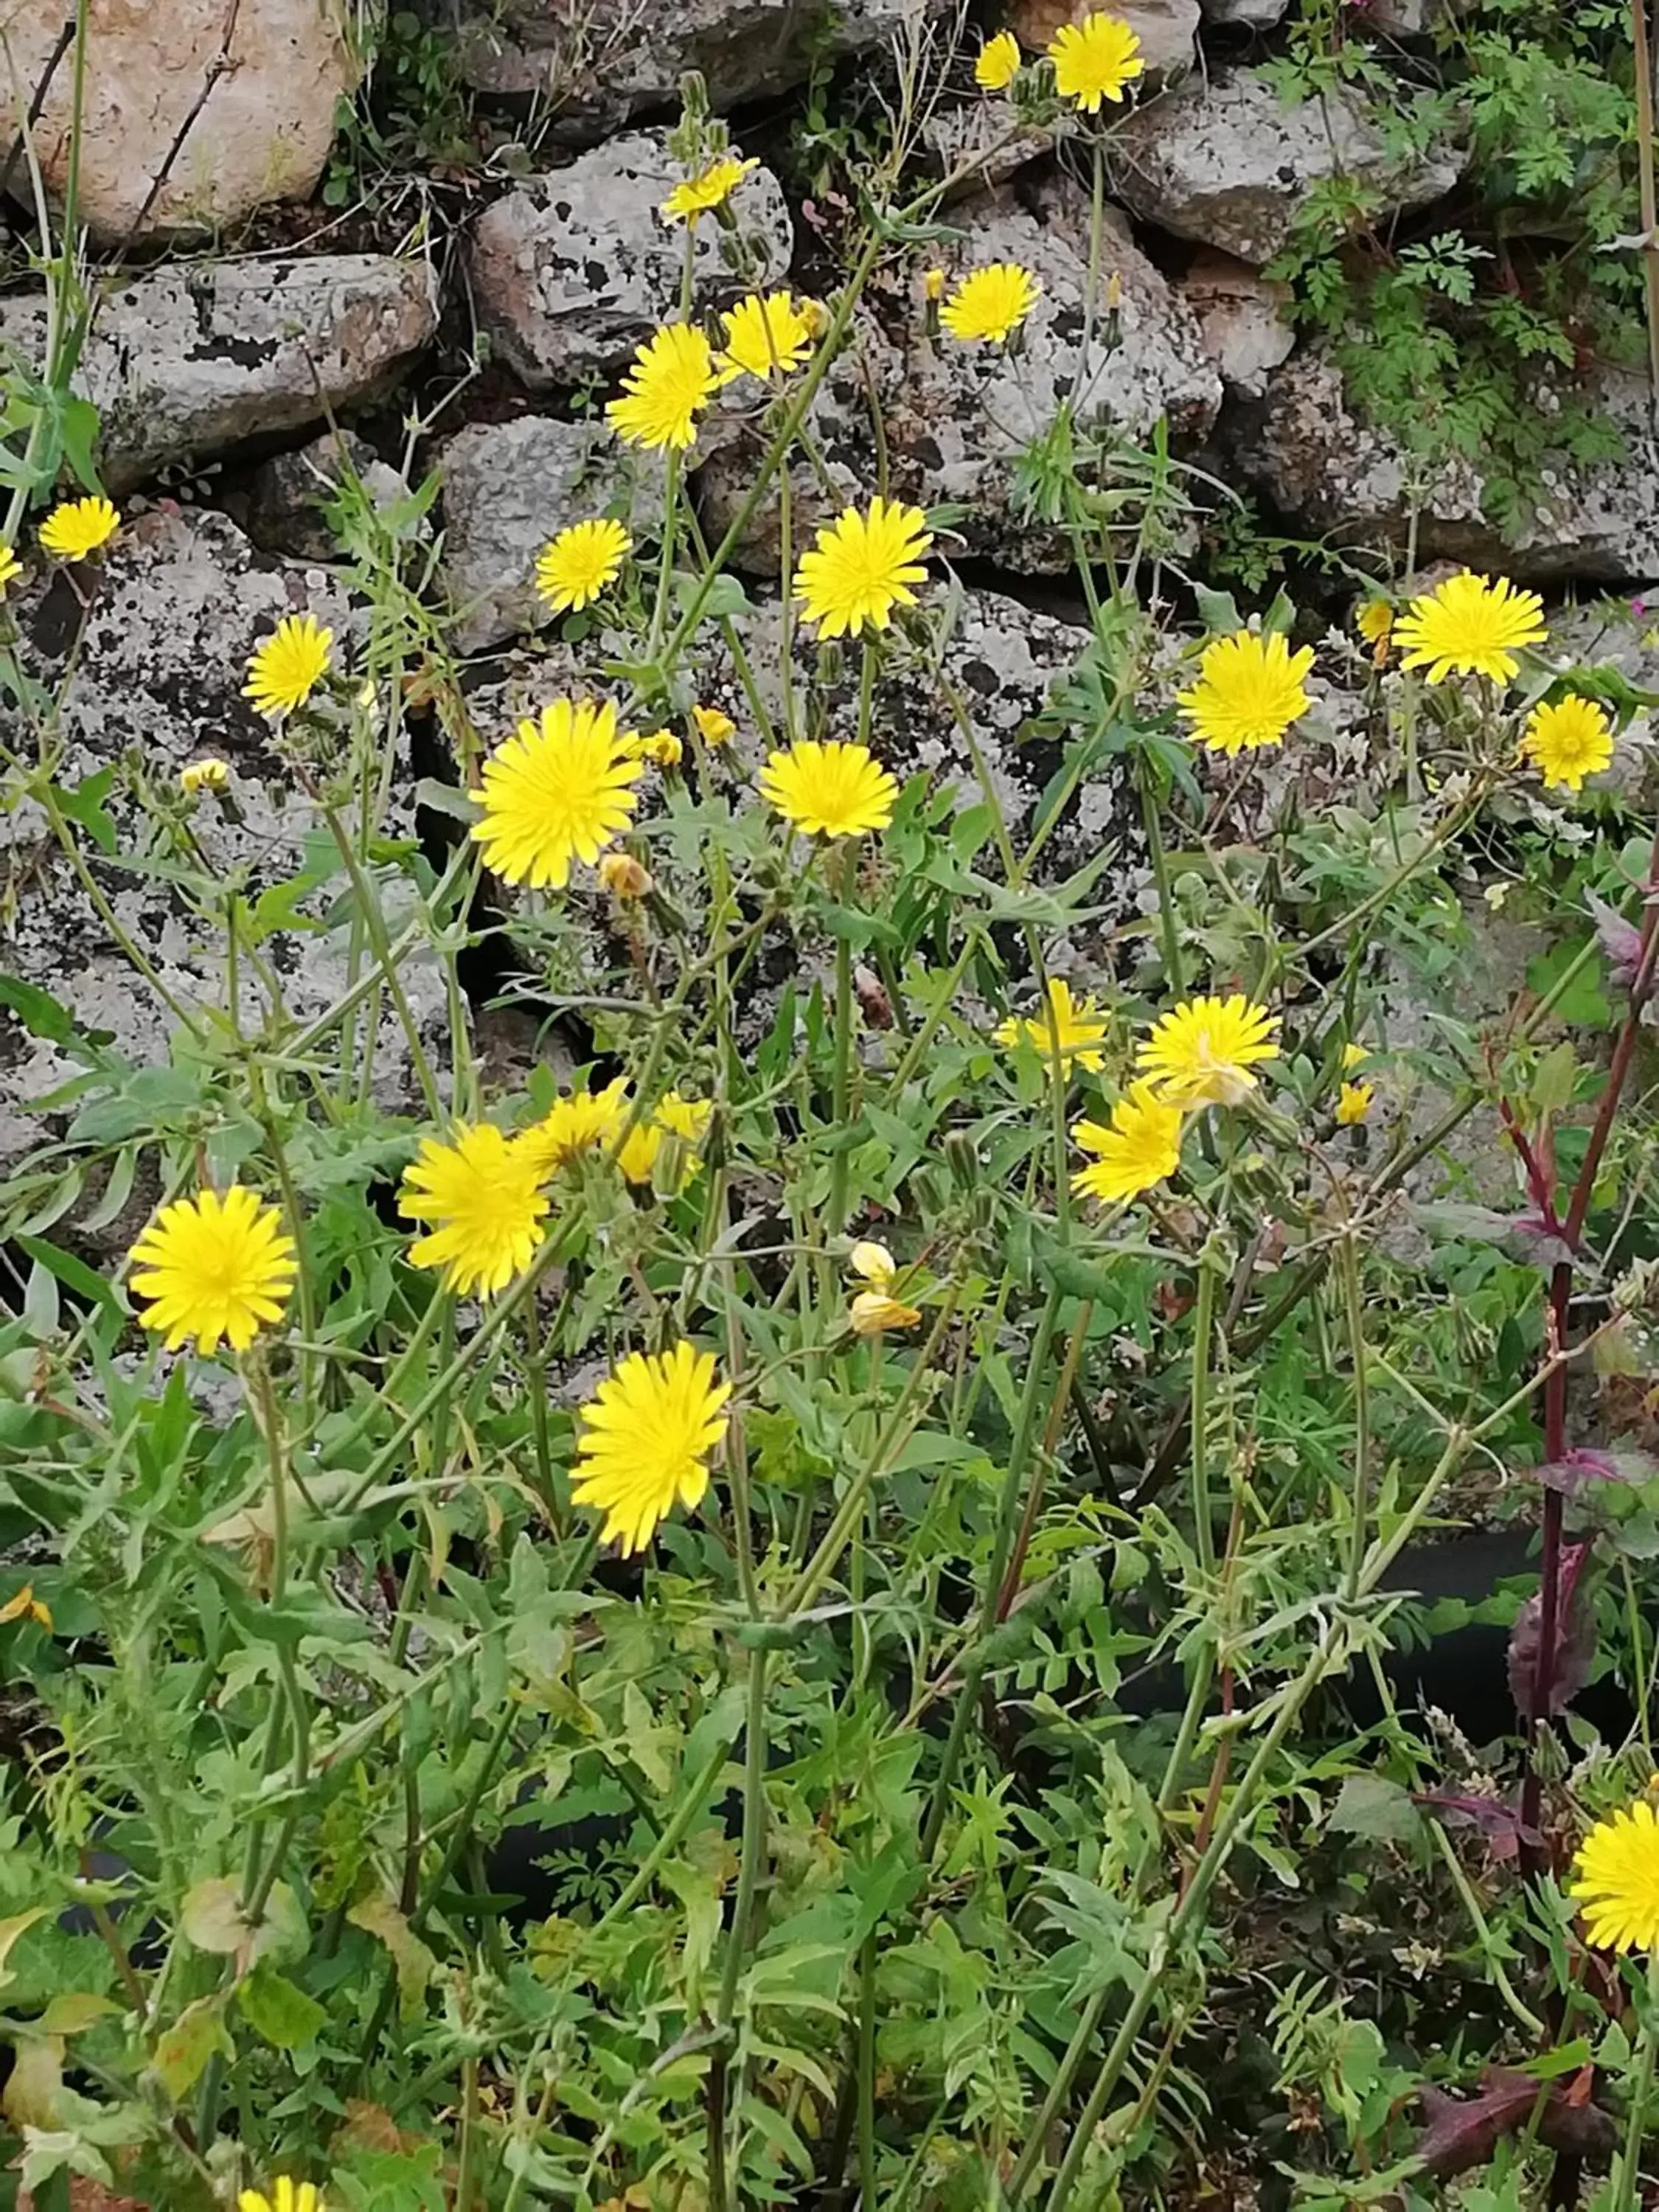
41 1015
75 1274
1371 1806
279 2010
183 2052
83 803
211 1916
380 1917
9 1931
73 2010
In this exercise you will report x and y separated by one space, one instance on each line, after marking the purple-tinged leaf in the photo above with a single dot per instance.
1461 2133
1580 1464
1538 1238
1575 1640
1620 941
1500 1824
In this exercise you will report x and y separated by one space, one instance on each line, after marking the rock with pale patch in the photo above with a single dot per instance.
1243 317
284 512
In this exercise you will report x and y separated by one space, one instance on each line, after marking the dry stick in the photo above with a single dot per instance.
220 63
65 40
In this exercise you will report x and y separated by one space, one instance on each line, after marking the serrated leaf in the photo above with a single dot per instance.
278 2010
183 2051
414 1964
211 1916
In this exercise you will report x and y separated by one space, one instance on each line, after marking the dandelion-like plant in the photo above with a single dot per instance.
481 1200
1137 1149
1078 1026
79 526
288 666
217 1269
861 566
1617 1884
10 567
1094 60
709 189
714 727
201 776
286 2196
577 1123
673 375
1205 1052
647 1436
1353 1103
1567 739
997 64
828 789
556 792
1250 691
766 338
990 303
576 566
1468 626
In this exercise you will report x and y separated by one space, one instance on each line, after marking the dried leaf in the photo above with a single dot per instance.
35 2083
1575 1639
415 1963
1620 941
1500 1824
1464 2133
1575 1467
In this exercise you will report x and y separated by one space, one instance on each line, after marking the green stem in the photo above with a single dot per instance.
1168 922
1625 2188
1203 1334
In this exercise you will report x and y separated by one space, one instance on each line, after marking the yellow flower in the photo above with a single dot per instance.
662 747
481 1198
78 527
875 1263
1468 627
1618 1885
555 793
932 284
711 188
287 667
1353 1103
288 2196
25 1606
860 566
998 65
1568 740
647 1436
682 1119
623 877
1140 1147
828 789
575 1125
212 1267
673 375
1094 60
1375 622
872 1311
576 566
714 727
203 775
1249 692
990 302
1078 1023
1202 1052
766 338
1354 1055
10 567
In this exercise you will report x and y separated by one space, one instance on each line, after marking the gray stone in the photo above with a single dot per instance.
597 64
974 146
285 506
262 133
188 362
1252 15
1326 471
178 604
573 269
955 417
1167 29
1408 19
1240 316
1225 161
507 487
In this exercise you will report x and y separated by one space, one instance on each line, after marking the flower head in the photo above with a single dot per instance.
1353 1103
213 1266
1204 1052
673 375
1618 1886
647 1435
481 1198
1140 1147
575 1124
23 1605
623 877
1568 740
828 789
1249 692
872 1311
1094 60
681 1122
1375 622
710 188
860 566
579 562
287 667
10 566
1354 1055
1469 627
78 527
1079 1025
714 727
662 749
998 63
286 2196
766 338
990 303
203 775
932 284
555 793
874 1264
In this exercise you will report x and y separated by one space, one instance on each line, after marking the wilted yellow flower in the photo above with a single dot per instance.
711 188
1354 1055
1094 60
481 1198
872 1311
203 775
10 567
647 1436
78 527
1375 622
766 338
577 565
1078 1023
998 63
1250 691
1205 1051
623 877
1469 627
556 792
714 727
874 1263
1353 1103
1618 1886
828 789
860 566
1139 1147
990 303
25 1606
934 282
1568 740
288 666
210 1267
672 375
662 747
